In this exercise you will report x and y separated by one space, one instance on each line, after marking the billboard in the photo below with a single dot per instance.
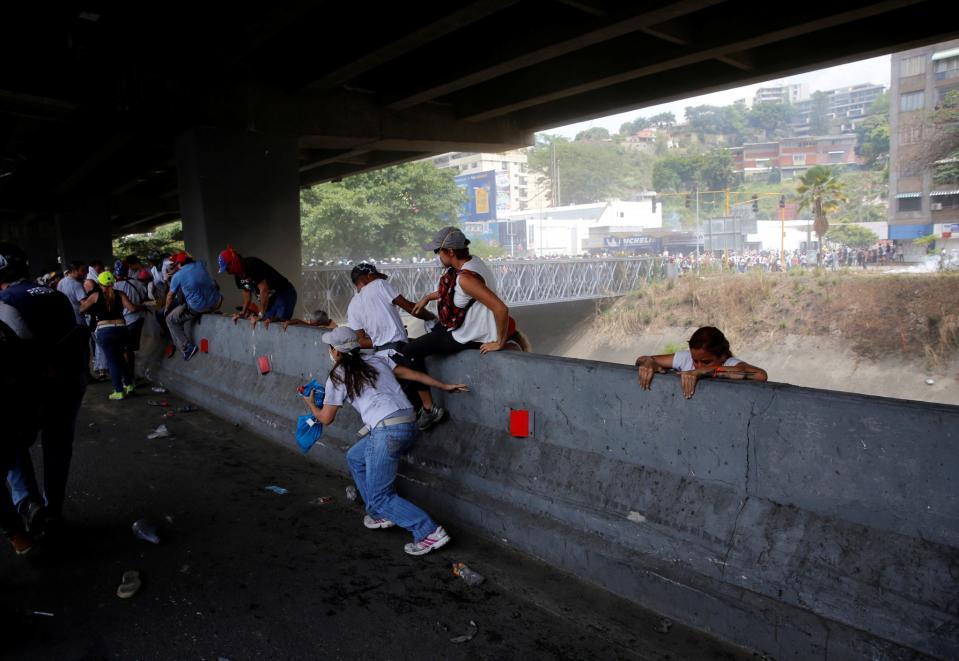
480 196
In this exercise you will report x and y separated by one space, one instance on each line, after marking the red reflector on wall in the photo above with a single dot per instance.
519 423
204 345
264 364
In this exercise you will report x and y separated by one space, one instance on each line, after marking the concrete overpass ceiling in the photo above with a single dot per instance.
90 111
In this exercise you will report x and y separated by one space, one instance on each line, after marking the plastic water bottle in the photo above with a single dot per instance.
146 531
351 493
472 578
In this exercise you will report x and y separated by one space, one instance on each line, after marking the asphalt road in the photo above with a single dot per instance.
244 573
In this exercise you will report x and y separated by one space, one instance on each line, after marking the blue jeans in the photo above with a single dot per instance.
282 305
56 439
112 341
374 462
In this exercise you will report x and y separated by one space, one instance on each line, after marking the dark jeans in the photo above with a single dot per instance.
282 305
57 428
438 342
112 340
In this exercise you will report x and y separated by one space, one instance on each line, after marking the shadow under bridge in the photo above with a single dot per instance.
518 283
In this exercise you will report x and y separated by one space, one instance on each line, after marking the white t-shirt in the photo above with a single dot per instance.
480 324
135 293
683 361
376 403
74 291
372 310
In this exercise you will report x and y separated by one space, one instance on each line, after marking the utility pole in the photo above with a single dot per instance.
699 230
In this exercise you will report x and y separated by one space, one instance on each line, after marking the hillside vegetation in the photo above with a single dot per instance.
915 317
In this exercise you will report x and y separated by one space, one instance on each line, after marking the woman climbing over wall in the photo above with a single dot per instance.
369 383
709 357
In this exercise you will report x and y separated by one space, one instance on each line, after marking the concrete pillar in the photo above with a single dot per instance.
240 189
37 236
84 237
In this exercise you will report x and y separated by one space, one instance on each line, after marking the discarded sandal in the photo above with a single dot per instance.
130 585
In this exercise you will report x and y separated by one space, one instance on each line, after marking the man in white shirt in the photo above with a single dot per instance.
375 310
72 286
374 313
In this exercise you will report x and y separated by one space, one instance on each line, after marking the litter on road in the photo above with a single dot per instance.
159 432
276 489
130 585
468 636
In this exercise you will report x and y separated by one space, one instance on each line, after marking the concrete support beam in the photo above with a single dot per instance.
240 189
84 237
37 236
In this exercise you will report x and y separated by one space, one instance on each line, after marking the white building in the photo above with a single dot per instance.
790 93
525 190
562 231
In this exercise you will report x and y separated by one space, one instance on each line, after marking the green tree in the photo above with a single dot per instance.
867 195
854 236
591 171
635 126
943 147
663 120
595 134
820 191
717 120
712 170
166 238
770 120
384 213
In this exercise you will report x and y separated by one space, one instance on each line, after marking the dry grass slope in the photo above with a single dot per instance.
880 315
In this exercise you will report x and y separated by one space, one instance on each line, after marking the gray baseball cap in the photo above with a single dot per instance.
448 237
342 338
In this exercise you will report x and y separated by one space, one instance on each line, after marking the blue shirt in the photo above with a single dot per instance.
50 317
199 290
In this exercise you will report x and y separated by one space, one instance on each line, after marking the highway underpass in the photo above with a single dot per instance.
795 522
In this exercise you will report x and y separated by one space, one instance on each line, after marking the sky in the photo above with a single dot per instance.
874 70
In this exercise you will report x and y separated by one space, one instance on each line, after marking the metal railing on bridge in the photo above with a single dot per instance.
518 283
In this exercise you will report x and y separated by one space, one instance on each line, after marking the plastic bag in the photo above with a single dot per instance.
308 432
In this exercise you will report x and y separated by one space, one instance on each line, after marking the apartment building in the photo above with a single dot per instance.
923 198
845 107
786 93
517 188
793 156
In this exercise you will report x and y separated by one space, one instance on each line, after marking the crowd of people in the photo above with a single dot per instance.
375 365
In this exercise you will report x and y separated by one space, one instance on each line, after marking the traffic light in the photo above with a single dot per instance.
782 201
653 199
688 201
755 199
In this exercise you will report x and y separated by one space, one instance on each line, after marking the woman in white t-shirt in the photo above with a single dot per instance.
709 356
369 383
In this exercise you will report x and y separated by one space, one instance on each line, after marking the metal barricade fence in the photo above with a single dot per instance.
518 283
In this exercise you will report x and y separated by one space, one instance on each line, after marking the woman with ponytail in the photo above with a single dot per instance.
369 383
106 304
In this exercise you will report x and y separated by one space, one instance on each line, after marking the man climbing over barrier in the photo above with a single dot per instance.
471 315
275 294
192 294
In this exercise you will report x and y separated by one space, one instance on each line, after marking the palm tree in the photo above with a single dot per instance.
821 191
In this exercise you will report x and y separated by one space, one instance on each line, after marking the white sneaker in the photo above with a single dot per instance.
374 524
434 540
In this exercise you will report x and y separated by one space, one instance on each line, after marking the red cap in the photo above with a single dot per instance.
180 257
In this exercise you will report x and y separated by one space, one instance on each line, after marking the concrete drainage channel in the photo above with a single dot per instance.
791 521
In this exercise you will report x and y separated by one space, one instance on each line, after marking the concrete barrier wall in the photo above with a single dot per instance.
795 522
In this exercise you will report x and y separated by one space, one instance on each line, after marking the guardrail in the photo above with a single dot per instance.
519 283
797 522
